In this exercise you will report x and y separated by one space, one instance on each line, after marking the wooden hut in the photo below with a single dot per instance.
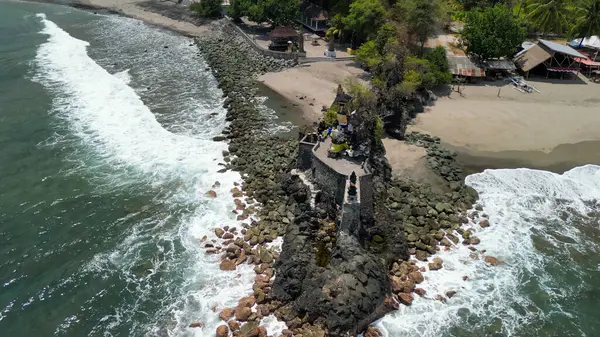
549 57
281 37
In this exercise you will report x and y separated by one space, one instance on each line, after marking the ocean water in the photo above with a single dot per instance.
106 126
106 151
545 227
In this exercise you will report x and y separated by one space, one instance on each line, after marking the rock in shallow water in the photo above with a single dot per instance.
227 265
405 299
226 314
492 260
222 331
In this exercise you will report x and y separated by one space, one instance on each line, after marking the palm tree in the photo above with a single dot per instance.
336 27
549 16
587 20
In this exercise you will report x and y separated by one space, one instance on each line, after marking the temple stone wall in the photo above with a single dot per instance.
335 183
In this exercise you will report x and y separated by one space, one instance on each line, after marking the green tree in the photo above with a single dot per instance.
378 130
386 36
238 8
492 33
368 55
280 12
437 57
421 17
256 12
364 19
439 63
207 8
549 16
336 28
362 95
587 19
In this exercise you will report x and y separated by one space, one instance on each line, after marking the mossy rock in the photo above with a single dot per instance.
378 239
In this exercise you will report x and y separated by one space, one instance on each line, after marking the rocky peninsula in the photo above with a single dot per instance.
325 281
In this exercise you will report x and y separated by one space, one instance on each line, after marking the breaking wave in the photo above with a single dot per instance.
544 227
120 145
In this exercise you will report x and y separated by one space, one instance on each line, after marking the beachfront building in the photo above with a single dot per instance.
497 69
465 68
549 58
590 48
284 38
591 43
313 17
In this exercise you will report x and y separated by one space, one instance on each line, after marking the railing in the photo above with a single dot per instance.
326 59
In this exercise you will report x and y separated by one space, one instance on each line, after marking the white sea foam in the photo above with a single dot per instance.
522 204
124 138
273 326
124 76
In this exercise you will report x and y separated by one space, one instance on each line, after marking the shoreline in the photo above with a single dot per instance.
311 86
479 122
561 159
252 245
132 9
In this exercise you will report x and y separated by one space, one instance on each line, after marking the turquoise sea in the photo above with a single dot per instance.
106 153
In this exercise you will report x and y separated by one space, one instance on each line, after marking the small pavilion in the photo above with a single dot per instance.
281 37
313 17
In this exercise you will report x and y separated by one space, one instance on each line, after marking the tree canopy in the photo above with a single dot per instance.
207 8
364 19
587 19
277 12
421 17
549 16
492 33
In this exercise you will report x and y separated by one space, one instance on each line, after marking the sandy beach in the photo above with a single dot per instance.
311 86
132 9
564 112
552 129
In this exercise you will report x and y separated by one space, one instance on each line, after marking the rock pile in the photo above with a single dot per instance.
261 158
343 295
431 219
441 160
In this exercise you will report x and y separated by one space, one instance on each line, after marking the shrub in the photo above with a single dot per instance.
437 57
330 117
207 8
378 128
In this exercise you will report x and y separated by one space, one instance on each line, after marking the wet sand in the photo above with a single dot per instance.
564 112
562 158
164 14
410 161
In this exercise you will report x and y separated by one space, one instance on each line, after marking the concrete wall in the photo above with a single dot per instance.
337 185
328 179
366 195
305 155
